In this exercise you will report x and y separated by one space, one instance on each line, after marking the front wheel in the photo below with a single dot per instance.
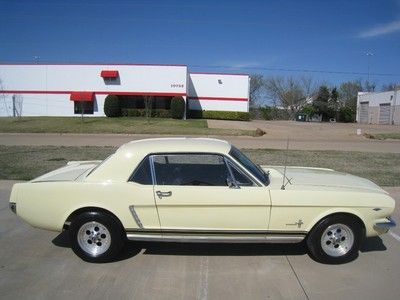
96 236
335 239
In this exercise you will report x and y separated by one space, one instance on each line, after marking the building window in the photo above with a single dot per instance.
110 80
86 106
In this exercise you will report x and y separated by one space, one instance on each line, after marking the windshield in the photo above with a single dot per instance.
249 165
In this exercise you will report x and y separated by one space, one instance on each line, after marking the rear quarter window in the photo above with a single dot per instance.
142 174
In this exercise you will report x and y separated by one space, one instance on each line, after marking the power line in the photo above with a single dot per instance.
283 69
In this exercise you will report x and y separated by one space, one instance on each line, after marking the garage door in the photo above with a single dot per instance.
364 112
384 113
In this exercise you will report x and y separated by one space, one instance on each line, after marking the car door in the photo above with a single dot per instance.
197 191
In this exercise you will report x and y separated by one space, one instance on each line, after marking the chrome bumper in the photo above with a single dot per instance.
385 225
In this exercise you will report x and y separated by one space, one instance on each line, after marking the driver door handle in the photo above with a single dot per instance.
163 194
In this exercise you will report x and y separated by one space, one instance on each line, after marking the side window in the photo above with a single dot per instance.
191 170
239 176
142 174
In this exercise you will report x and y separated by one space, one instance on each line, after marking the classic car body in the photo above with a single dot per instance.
195 189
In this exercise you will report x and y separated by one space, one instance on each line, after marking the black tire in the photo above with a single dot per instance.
107 236
335 223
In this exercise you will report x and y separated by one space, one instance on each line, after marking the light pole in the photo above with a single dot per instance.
369 54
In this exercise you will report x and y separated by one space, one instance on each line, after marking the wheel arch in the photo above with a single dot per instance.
81 210
352 214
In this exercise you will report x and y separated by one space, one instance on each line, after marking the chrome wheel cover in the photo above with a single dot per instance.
94 238
337 240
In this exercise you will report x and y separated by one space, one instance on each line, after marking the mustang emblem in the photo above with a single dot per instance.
298 223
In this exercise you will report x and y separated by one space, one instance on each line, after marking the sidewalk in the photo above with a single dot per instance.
268 141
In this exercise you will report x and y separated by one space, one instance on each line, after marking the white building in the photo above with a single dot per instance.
60 89
378 108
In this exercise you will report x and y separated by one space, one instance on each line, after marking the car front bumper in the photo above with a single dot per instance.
385 226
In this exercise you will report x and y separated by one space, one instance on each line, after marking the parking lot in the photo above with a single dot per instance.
37 264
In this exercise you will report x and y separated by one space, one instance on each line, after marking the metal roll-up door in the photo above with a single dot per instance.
384 113
364 109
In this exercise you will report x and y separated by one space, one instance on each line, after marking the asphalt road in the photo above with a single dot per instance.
37 264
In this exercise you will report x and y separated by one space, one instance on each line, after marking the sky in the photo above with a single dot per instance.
327 40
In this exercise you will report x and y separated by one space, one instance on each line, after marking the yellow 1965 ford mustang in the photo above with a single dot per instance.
202 190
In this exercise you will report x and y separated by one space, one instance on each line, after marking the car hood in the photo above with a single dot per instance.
322 178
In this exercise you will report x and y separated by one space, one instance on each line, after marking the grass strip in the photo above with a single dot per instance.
125 125
28 162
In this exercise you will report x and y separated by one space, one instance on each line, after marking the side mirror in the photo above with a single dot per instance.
232 183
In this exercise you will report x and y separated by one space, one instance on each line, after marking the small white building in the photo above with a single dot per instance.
60 89
379 108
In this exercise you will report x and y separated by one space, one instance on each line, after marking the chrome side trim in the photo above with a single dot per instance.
135 216
197 238
386 225
214 232
152 170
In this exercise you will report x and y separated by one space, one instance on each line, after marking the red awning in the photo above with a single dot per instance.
109 74
81 96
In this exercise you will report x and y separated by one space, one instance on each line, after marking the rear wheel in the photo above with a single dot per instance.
335 239
96 236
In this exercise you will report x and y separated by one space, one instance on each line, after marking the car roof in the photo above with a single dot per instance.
179 144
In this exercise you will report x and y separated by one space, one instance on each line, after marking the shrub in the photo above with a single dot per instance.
112 106
266 112
221 115
346 115
255 113
308 110
141 112
177 108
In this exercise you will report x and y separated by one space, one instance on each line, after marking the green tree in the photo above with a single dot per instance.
334 103
321 103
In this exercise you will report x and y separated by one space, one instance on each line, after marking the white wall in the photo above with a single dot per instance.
133 78
229 92
374 100
46 89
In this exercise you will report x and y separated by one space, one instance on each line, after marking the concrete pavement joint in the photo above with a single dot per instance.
297 277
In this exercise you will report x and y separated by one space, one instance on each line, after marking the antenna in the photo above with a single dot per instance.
284 170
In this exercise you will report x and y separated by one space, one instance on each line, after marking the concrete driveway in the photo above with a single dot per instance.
36 264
